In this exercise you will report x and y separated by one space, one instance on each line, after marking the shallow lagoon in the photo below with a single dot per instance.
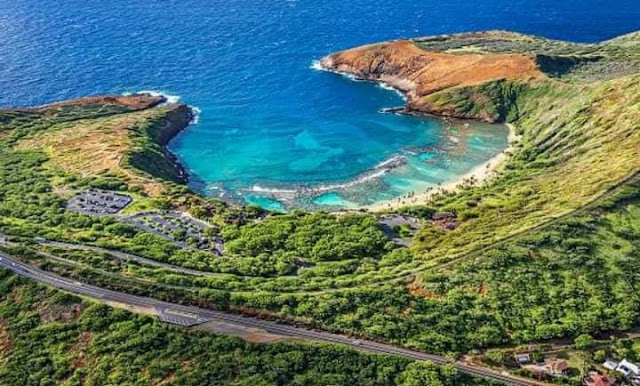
328 149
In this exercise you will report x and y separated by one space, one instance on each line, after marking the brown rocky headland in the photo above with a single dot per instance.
459 75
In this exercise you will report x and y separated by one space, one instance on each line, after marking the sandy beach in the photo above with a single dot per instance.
480 174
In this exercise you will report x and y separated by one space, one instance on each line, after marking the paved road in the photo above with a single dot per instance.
188 315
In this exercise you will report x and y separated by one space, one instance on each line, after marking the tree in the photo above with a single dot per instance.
583 342
496 356
428 374
599 355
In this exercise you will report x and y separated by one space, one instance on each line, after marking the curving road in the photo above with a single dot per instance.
189 315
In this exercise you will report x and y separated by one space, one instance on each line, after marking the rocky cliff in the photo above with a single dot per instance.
419 73
125 135
177 118
474 75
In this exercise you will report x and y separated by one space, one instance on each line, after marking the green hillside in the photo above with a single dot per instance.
546 249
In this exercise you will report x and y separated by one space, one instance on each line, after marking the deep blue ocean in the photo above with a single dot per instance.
268 120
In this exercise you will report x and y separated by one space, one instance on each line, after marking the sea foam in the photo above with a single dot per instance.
378 171
171 98
389 87
317 65
196 111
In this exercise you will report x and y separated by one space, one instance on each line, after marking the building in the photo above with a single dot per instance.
628 369
610 365
522 358
596 379
556 366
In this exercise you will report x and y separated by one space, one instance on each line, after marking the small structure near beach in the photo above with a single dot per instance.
594 378
629 369
98 202
522 358
556 366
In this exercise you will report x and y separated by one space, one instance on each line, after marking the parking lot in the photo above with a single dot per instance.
98 202
178 227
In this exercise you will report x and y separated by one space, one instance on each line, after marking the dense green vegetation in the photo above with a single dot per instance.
50 338
547 249
31 207
577 141
312 237
576 276
573 277
586 353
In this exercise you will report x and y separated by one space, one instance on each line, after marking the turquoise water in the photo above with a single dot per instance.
268 120
334 200
338 164
264 202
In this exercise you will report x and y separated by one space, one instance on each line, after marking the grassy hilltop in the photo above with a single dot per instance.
547 249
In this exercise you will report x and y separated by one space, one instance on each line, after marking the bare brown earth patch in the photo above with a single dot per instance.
248 334
58 313
149 311
418 73
483 290
5 339
79 349
168 380
416 289
16 294
262 337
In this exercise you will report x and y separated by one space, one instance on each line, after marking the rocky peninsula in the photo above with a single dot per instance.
123 135
419 74
456 75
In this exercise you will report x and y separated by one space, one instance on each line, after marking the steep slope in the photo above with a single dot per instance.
117 135
418 73
427 69
580 136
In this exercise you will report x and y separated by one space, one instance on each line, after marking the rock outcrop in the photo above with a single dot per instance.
178 117
419 73
133 102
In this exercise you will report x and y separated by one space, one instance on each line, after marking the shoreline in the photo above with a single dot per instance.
388 83
481 174
177 120
289 193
